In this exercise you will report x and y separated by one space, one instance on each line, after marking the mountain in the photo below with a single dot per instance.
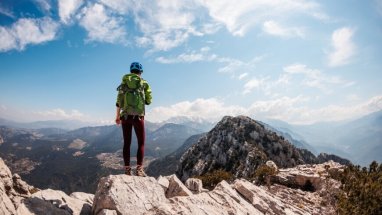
358 140
292 137
168 164
60 124
122 194
76 159
239 145
169 137
193 122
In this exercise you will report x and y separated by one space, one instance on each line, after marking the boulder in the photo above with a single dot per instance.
163 181
263 200
223 200
6 205
176 188
144 195
107 212
310 177
18 197
12 190
272 165
128 194
86 197
59 200
36 206
195 185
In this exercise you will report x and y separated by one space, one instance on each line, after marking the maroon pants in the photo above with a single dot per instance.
139 126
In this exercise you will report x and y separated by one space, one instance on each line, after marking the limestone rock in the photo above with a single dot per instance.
123 194
59 200
6 205
272 165
163 181
307 177
128 194
263 200
107 212
176 188
12 190
18 197
36 206
195 185
86 197
223 200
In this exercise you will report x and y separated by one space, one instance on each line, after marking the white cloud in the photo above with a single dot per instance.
67 8
242 76
7 40
253 84
314 77
7 12
210 109
238 16
60 114
22 115
290 109
121 6
343 47
234 66
275 29
102 26
27 31
352 97
45 5
193 56
167 24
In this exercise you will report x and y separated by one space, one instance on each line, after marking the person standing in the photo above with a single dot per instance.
133 94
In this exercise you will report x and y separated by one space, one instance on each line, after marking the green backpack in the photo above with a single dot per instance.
133 95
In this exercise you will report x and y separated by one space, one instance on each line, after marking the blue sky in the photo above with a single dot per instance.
299 61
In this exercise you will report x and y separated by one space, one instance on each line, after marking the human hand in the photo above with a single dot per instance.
117 120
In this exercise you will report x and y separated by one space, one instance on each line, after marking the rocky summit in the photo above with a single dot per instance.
239 145
122 194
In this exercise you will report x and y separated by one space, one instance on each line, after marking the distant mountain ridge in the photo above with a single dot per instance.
168 164
193 122
76 159
61 124
358 140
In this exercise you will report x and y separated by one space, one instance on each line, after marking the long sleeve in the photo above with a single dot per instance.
148 96
119 102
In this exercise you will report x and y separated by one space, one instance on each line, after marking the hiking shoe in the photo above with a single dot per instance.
140 171
127 170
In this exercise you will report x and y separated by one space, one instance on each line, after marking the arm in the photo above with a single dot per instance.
118 116
118 104
148 96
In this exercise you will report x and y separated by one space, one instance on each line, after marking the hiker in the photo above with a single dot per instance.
133 94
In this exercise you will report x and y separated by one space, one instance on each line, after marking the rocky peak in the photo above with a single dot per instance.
121 194
239 145
18 197
323 157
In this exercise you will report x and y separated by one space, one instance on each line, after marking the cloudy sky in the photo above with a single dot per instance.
300 61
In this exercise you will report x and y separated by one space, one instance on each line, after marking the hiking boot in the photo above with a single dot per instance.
140 171
127 170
